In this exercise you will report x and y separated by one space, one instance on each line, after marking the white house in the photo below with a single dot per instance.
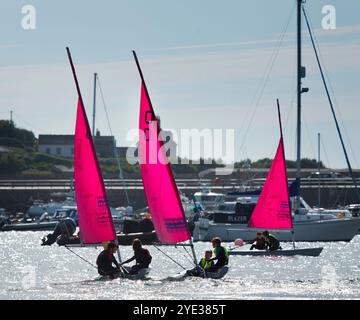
63 145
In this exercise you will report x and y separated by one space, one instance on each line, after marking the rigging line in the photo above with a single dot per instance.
268 67
265 79
289 123
169 257
313 152
115 151
88 262
189 256
31 125
338 110
325 152
332 109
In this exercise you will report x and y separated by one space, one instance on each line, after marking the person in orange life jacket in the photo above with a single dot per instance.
106 260
141 256
221 255
259 242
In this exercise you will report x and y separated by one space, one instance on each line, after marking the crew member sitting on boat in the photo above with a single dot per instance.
141 256
106 260
203 265
64 228
271 242
221 255
259 242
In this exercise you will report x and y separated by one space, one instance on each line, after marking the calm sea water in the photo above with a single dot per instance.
29 271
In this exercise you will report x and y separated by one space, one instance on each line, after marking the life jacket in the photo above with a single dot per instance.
271 239
226 253
205 264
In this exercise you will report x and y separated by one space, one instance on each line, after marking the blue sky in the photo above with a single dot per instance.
203 61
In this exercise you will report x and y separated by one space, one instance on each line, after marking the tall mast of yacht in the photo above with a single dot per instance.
319 168
300 74
94 108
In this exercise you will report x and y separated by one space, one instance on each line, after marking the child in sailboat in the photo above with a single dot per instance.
204 265
259 242
64 229
271 242
106 260
221 255
141 256
205 262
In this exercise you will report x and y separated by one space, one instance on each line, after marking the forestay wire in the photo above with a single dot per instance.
189 257
262 85
115 151
88 262
173 260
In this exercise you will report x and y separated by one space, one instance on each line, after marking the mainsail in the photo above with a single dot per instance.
273 210
159 184
94 214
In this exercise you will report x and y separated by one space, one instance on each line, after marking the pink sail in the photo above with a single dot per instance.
273 209
159 184
95 218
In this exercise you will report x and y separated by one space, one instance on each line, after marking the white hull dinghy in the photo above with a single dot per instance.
208 275
141 275
160 188
217 275
273 209
310 252
95 219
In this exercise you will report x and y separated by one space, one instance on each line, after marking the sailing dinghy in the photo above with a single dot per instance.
95 219
159 184
273 209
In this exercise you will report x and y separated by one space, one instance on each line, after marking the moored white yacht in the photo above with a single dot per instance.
38 208
208 199
230 223
308 224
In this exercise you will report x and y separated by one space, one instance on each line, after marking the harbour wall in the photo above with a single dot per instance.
19 199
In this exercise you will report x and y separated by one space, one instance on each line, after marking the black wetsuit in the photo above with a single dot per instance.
64 228
142 258
259 244
105 263
272 243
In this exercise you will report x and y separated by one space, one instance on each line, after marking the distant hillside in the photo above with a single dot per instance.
27 162
305 163
18 156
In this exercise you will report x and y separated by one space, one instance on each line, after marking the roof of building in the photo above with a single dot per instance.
56 139
66 139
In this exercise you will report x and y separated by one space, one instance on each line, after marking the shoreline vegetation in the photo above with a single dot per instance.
19 157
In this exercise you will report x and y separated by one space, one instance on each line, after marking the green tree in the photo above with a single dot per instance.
12 136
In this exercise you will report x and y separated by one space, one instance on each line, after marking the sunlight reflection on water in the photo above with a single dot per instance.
30 271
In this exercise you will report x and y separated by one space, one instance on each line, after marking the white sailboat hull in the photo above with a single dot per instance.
310 252
327 230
